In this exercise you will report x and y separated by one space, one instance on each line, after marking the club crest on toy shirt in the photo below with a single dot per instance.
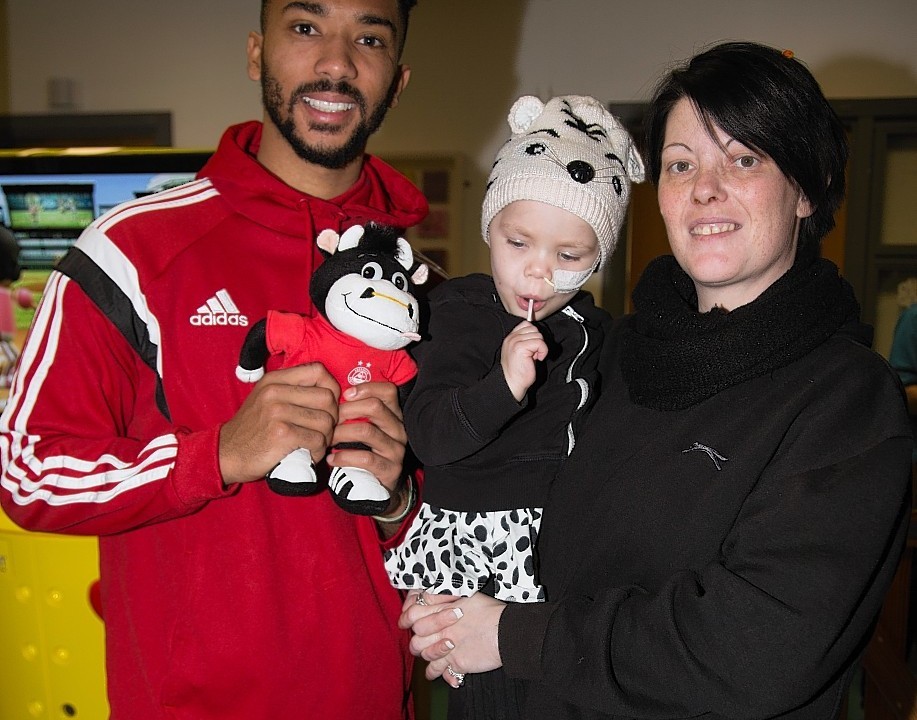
367 314
360 374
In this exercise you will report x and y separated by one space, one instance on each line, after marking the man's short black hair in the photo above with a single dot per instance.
404 10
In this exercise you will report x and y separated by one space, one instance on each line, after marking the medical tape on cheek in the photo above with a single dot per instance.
568 281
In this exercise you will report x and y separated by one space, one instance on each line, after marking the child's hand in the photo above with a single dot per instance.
521 348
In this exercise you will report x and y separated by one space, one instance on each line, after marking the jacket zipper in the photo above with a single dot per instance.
583 385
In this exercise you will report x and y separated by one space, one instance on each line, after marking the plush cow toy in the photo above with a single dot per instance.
367 314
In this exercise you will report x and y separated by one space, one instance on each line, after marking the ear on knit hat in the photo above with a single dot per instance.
570 153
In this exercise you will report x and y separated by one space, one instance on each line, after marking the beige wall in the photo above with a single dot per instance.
471 59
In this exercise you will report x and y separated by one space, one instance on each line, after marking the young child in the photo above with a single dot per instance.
9 273
511 364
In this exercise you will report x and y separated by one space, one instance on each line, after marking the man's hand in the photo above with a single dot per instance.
292 408
383 432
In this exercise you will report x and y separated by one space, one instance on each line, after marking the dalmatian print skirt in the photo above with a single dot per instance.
445 551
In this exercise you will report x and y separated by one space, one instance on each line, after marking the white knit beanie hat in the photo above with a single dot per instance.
571 153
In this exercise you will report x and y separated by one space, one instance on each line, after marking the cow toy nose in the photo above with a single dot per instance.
581 171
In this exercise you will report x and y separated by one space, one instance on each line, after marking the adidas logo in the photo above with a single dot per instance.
219 310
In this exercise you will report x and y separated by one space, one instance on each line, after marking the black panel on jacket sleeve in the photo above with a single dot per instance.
117 307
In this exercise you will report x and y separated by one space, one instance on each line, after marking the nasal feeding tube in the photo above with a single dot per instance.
568 281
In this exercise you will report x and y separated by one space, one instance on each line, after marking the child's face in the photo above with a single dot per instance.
529 240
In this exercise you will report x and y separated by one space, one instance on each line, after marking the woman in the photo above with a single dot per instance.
720 541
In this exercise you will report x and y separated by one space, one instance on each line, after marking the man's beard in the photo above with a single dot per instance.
331 158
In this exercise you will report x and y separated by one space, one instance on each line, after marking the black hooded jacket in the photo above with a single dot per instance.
481 449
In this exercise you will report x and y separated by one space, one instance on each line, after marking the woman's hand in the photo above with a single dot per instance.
454 632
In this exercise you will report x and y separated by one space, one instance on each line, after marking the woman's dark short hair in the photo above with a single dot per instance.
771 103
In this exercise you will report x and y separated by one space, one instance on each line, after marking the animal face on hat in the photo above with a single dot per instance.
571 153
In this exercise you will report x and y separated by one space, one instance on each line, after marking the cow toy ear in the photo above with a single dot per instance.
327 241
420 275
403 253
351 237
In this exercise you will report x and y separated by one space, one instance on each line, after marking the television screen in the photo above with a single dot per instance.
49 207
47 199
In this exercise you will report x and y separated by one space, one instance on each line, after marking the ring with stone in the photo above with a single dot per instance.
419 599
459 677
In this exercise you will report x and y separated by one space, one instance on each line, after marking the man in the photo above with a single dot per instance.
220 598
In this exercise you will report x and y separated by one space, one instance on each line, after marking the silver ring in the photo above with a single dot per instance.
459 677
419 599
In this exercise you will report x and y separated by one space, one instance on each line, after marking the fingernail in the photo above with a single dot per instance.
458 613
450 644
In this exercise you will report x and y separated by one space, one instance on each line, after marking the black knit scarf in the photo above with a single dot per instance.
674 357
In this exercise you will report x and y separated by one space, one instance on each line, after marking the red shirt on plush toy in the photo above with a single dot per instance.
367 315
